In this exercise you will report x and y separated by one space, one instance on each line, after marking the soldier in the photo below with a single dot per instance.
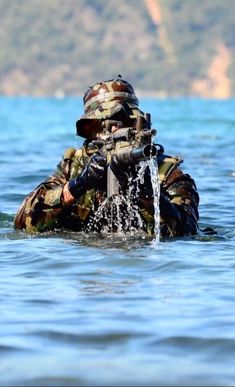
71 197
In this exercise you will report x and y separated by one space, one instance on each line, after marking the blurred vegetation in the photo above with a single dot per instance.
58 47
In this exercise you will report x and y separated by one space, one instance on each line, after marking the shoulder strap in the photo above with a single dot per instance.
67 160
69 153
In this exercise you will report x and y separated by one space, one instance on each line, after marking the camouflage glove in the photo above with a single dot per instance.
145 187
94 175
167 208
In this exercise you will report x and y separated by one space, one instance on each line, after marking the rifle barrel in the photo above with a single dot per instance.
129 155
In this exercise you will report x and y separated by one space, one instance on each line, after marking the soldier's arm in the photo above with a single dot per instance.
179 201
41 208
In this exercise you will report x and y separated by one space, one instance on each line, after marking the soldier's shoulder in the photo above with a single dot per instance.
177 160
167 165
69 153
171 172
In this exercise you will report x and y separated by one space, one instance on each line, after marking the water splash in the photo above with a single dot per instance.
153 167
120 214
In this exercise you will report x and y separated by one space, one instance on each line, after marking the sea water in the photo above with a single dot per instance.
105 310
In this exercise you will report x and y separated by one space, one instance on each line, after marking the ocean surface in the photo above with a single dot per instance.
89 310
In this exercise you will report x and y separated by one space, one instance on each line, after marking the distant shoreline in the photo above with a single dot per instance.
140 93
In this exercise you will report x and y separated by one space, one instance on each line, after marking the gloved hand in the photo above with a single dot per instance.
145 187
167 208
94 175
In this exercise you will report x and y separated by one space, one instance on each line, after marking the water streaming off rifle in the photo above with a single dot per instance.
120 213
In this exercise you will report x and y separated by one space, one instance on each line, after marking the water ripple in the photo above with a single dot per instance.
79 309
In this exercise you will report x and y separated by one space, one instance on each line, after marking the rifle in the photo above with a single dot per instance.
129 145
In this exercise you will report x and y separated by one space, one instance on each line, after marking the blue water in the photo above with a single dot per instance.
77 310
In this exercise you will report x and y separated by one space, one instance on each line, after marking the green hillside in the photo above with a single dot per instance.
165 47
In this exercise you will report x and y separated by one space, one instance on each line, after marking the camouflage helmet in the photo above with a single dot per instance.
104 100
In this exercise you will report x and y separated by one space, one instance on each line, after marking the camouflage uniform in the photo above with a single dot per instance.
44 209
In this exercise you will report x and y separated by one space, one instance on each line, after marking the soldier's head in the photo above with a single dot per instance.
114 99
